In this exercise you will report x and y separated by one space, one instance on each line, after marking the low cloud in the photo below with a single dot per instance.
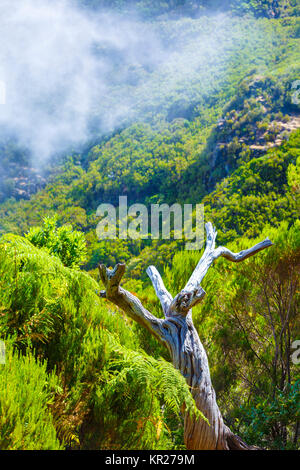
70 73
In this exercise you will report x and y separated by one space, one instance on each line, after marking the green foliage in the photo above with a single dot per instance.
258 193
249 320
67 244
267 8
260 419
81 374
293 177
113 395
135 382
153 8
26 393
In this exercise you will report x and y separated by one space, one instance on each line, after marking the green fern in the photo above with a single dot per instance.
26 391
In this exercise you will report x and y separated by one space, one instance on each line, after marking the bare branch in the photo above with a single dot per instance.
128 302
162 293
179 335
237 257
205 261
192 292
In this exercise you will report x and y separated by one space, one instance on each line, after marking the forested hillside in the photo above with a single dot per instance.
210 115
152 8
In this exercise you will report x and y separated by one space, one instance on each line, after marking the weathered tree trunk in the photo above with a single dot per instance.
177 332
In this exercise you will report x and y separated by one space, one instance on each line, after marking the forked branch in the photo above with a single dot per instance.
193 292
189 296
177 332
128 302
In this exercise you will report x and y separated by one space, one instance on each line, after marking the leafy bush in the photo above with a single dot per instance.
67 244
113 394
26 393
265 421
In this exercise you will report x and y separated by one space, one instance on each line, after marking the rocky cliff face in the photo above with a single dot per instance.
20 181
260 117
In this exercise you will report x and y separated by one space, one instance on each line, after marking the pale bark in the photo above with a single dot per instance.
177 332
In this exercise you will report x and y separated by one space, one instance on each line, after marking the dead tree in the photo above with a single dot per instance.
177 332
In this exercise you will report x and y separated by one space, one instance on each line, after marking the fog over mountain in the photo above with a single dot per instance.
70 73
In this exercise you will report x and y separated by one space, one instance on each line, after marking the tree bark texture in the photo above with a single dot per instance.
177 332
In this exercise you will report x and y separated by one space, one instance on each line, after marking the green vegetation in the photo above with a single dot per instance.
26 396
98 386
79 374
68 245
82 373
247 322
152 8
263 191
251 321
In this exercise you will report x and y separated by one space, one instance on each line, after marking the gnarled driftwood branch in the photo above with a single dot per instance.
177 332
